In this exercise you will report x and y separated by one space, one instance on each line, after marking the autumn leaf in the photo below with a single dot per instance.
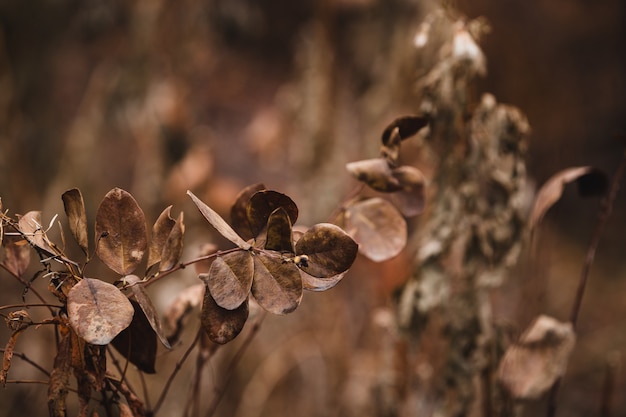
141 295
173 248
277 285
121 233
77 217
98 311
160 232
230 278
16 253
263 203
279 236
138 341
239 211
222 325
407 126
329 250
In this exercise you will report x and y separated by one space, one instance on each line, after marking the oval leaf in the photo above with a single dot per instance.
77 217
591 182
261 206
98 311
160 232
138 342
16 253
279 236
277 285
378 228
218 223
30 225
329 250
239 211
222 325
149 311
407 126
375 173
121 233
230 279
410 200
173 249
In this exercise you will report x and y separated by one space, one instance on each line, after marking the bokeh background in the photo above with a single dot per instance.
162 96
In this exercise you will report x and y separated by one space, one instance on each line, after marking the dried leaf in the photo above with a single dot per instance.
60 375
150 312
277 285
407 126
8 355
16 254
378 228
376 173
410 199
312 283
262 205
222 325
185 302
31 226
329 250
279 232
121 233
173 249
239 211
530 367
138 341
218 223
125 410
590 180
98 311
160 232
230 279
77 217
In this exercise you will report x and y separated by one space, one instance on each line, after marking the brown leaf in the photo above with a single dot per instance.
173 249
77 217
141 295
230 279
378 228
279 232
407 126
222 325
16 254
410 199
277 285
329 250
312 283
590 180
262 205
121 233
138 342
160 232
98 311
376 173
531 366
8 355
218 223
60 375
185 302
30 225
239 211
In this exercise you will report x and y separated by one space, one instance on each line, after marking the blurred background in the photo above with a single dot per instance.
161 96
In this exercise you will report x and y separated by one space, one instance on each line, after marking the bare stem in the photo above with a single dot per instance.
30 361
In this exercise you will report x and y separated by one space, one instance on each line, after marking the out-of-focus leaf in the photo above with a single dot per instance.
121 233
263 203
9 348
312 283
222 325
410 199
531 366
376 173
173 249
407 127
160 232
277 285
279 232
125 410
148 308
218 223
591 181
30 225
60 375
378 228
230 279
16 254
239 211
330 250
185 302
138 342
77 217
98 311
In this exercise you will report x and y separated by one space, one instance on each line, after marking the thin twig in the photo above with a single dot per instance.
30 361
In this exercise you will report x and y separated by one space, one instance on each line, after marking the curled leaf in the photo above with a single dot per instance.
219 223
590 181
222 325
531 366
312 283
121 233
173 248
138 342
277 285
262 205
141 295
279 236
239 211
98 311
378 228
376 173
329 250
77 217
30 225
160 232
230 278
407 126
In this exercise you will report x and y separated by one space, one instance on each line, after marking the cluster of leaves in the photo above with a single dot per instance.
377 224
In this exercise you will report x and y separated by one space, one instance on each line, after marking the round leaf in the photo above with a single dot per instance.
375 173
239 211
230 278
222 325
98 311
277 285
330 251
263 203
121 233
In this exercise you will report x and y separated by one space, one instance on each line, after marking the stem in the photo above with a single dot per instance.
30 361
